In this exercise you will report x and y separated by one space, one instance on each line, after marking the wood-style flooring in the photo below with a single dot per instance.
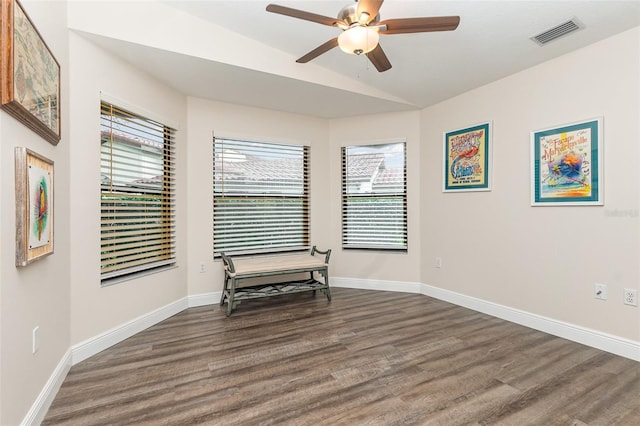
367 357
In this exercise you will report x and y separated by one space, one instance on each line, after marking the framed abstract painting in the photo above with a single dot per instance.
567 165
34 206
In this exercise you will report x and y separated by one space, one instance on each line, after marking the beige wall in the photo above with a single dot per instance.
96 309
227 120
325 138
38 294
543 260
367 130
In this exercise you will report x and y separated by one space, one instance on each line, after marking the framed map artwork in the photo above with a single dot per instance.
30 83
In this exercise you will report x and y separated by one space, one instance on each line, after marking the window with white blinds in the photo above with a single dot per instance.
260 197
374 197
137 226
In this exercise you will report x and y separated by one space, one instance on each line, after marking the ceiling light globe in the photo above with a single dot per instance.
358 40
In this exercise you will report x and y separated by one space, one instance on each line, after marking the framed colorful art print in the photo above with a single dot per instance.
567 165
467 156
34 206
30 83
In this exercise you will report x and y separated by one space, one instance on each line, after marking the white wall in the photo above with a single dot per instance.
366 130
38 294
206 118
96 309
542 260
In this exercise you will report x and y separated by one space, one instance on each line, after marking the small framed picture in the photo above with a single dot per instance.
567 164
467 156
30 74
34 206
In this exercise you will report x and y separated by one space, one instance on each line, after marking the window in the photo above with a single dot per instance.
374 197
260 197
137 226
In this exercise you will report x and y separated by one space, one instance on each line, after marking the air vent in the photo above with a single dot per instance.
557 32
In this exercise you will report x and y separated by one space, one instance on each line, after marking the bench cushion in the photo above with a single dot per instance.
271 264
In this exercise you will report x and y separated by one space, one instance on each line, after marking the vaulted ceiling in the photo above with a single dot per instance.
235 51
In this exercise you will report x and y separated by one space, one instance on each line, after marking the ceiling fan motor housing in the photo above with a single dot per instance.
349 15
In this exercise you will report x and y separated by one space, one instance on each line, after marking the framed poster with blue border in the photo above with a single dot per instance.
467 156
567 165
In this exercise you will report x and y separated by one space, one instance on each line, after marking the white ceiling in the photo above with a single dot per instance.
491 42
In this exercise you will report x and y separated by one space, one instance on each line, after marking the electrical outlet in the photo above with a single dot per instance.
35 339
438 262
202 267
600 291
630 297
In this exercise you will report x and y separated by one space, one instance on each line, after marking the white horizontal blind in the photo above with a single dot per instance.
261 197
374 197
137 226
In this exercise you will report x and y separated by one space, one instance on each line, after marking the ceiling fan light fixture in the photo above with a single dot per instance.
358 40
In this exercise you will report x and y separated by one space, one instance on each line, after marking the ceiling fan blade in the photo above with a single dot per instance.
307 16
318 51
379 59
420 25
370 7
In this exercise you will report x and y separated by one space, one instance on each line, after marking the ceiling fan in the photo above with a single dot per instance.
361 28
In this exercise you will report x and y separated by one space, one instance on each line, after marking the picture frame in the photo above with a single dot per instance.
567 164
467 159
30 74
34 206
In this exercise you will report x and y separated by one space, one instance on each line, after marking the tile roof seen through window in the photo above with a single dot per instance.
281 169
364 165
361 167
389 177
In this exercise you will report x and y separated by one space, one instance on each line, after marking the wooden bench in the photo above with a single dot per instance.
240 269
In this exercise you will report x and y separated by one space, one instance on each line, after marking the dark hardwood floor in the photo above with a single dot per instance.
368 357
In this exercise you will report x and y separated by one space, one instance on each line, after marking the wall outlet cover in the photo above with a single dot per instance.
630 297
600 291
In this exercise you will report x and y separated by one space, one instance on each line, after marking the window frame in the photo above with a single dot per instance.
137 192
349 231
274 197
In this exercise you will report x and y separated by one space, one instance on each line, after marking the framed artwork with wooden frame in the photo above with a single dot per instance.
30 86
34 206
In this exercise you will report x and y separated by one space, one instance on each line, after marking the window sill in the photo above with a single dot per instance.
135 275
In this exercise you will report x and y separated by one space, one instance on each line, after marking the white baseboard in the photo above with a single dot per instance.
204 299
614 344
39 409
96 344
92 346
365 284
